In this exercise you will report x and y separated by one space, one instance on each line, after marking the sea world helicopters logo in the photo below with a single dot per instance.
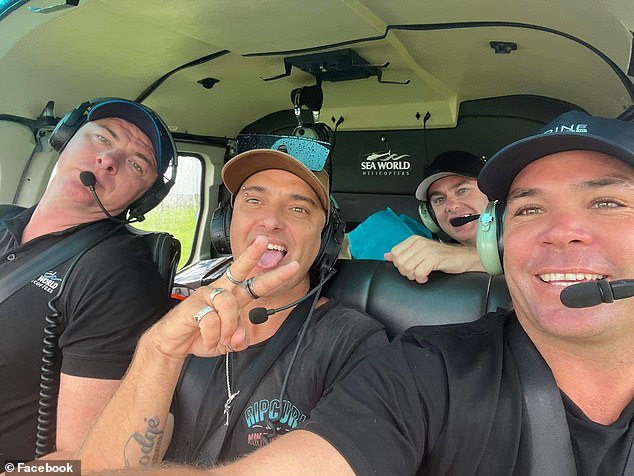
48 281
385 163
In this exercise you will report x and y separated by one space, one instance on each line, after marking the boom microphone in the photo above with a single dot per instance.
592 293
463 220
88 180
259 315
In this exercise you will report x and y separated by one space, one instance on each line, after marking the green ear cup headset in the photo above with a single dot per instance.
489 237
452 162
428 217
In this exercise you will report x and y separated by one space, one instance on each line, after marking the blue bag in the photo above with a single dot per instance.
380 232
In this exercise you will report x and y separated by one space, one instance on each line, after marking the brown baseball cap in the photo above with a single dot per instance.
243 165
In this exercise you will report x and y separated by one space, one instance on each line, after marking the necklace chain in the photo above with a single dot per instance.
230 396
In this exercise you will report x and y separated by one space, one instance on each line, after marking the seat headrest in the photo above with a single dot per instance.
163 249
379 290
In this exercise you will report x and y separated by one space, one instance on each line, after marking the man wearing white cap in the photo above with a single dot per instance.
450 204
281 233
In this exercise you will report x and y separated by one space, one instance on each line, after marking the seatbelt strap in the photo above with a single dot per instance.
252 378
629 464
65 249
7 212
549 437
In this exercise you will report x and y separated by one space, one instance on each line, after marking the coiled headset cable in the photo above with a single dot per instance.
51 368
271 430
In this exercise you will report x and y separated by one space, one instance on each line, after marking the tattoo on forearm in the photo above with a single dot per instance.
149 444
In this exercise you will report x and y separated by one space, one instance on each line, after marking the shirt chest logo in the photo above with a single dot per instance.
48 282
270 418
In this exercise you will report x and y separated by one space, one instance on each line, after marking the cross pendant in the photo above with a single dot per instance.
228 405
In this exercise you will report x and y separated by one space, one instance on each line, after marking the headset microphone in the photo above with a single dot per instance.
463 220
259 315
592 293
88 180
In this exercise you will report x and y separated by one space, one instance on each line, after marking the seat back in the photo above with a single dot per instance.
379 290
164 249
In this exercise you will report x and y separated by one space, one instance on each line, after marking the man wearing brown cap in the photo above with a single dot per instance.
223 408
450 204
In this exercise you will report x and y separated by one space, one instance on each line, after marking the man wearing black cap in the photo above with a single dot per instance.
92 306
222 406
544 389
450 206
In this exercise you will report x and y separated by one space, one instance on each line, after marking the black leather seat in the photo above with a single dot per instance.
165 251
379 290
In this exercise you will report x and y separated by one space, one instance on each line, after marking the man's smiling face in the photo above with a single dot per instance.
457 196
569 218
286 210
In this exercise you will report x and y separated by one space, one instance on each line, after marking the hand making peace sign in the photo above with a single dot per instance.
208 322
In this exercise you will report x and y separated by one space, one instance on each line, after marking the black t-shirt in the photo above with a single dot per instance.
448 400
337 338
113 294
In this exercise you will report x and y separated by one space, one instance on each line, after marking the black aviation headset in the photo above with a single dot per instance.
321 270
331 236
68 126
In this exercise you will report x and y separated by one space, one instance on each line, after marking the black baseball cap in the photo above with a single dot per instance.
573 130
453 162
145 119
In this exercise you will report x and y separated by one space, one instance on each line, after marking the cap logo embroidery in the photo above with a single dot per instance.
581 128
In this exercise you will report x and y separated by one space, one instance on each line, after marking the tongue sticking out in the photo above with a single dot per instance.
270 259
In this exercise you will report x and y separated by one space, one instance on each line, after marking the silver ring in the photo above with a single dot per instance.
231 278
249 288
214 293
200 314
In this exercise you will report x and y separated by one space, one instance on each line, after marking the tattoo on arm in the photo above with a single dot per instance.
148 444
